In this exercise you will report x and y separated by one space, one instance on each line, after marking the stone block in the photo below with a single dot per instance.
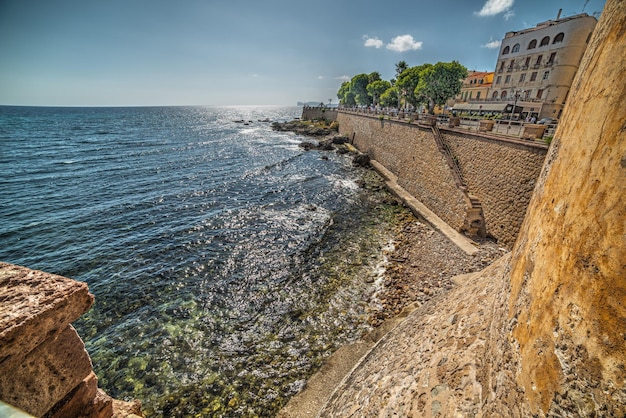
78 401
485 125
35 306
47 374
533 131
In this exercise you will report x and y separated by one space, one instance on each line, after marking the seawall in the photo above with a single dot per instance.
541 332
500 173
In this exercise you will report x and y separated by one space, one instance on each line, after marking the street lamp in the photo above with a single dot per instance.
516 95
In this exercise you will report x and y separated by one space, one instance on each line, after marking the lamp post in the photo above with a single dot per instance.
516 95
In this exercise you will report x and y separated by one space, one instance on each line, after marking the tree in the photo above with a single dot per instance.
407 82
389 97
400 67
373 76
358 86
376 88
438 83
342 92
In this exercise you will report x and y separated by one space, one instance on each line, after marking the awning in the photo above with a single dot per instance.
481 107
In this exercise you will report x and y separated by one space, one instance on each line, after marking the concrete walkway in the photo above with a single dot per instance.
421 211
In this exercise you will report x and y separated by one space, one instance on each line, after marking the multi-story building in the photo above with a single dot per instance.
475 86
536 66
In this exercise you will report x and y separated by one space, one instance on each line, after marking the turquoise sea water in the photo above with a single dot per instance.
226 262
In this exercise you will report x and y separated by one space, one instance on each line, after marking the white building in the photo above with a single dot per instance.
536 66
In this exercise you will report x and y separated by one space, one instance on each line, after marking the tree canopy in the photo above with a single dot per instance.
426 84
439 82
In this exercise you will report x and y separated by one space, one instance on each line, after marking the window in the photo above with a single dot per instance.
546 75
538 62
516 48
477 95
505 50
470 95
502 66
533 76
532 44
522 77
494 95
527 95
498 79
558 38
527 63
545 41
507 79
539 93
503 95
551 59
511 65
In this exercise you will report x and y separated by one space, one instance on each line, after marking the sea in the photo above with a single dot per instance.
227 262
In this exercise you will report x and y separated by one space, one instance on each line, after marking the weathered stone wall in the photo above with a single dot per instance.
410 152
542 334
44 367
312 113
502 175
568 279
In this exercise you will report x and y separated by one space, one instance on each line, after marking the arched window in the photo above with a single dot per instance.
494 95
503 95
532 44
558 38
515 48
505 50
545 41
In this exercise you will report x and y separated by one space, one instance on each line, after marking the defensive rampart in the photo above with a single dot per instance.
501 173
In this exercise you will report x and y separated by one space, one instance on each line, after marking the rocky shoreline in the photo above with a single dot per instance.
422 262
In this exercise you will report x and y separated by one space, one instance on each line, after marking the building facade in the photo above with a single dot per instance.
475 86
536 66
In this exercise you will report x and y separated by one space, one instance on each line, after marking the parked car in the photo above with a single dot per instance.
547 121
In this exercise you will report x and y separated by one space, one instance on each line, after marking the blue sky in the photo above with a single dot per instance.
240 52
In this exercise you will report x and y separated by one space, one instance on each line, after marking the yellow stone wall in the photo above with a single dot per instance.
568 278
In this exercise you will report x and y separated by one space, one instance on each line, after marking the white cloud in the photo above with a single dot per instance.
320 77
343 78
493 7
508 15
492 44
404 43
375 42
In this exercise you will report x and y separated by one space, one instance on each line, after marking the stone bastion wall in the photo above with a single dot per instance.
500 173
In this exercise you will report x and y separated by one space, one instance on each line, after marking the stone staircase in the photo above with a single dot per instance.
474 225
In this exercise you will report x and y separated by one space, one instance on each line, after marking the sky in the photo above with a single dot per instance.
241 52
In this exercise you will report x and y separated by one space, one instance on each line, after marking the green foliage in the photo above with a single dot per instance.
358 86
547 140
407 82
376 88
439 82
389 97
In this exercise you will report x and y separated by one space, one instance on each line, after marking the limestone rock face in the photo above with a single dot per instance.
46 374
44 367
36 304
569 264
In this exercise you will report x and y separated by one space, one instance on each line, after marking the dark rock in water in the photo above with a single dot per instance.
324 157
361 160
342 150
325 145
340 139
